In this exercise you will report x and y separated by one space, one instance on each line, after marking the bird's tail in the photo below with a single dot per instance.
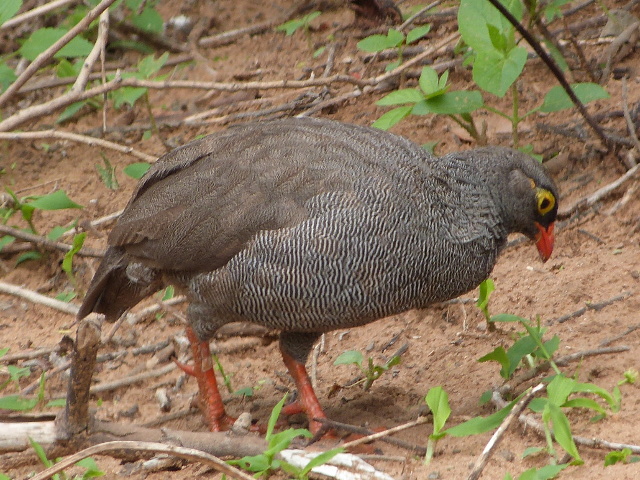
113 291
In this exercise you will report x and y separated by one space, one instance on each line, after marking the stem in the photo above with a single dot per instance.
515 119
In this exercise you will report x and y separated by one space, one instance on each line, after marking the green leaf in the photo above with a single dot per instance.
40 453
107 174
475 18
67 262
148 20
43 38
57 231
398 97
6 240
562 430
596 390
3 351
8 8
136 170
377 43
57 200
582 402
319 51
557 99
531 451
321 459
58 402
70 111
33 255
506 318
478 425
282 440
92 468
149 66
499 355
486 288
389 119
543 473
438 401
559 389
66 296
428 80
495 73
417 33
349 357
450 103
17 403
67 69
126 95
273 418
245 392
617 456
7 76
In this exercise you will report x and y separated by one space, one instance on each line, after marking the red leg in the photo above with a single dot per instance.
308 401
210 399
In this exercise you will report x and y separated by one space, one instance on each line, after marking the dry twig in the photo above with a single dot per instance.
49 244
495 439
181 452
45 56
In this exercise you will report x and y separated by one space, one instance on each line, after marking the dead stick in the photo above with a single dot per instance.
496 438
386 433
35 12
590 306
181 452
74 419
598 194
37 298
45 56
45 242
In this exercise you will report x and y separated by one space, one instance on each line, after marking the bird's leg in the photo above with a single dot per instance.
202 369
295 349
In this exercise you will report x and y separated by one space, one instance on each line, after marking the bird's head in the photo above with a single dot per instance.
535 202
529 200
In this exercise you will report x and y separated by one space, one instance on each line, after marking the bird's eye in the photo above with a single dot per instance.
546 201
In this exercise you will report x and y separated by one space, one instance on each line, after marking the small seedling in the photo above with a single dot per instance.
292 26
620 456
264 464
438 401
107 173
372 372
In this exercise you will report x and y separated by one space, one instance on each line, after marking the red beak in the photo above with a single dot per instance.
544 241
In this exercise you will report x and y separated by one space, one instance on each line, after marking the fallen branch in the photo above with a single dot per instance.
385 433
590 306
35 12
598 194
181 452
37 298
75 137
45 242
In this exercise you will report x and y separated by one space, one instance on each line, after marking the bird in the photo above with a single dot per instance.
307 225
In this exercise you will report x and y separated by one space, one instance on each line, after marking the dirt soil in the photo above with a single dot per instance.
596 256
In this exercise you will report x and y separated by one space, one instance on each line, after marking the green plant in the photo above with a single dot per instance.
620 456
498 62
393 39
264 464
432 96
543 473
372 372
89 464
562 392
304 23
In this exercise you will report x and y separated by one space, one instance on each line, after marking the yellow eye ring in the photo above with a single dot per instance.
546 201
